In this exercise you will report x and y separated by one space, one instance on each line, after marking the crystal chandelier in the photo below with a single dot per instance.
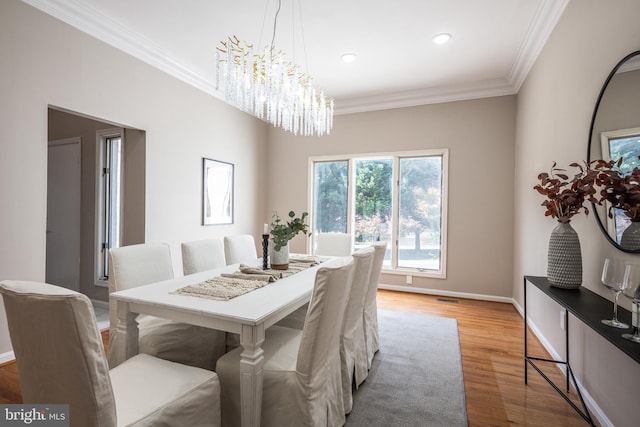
266 85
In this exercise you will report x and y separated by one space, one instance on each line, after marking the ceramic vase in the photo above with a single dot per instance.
279 259
564 262
630 238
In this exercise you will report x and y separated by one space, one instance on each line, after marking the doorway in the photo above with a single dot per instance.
67 125
63 213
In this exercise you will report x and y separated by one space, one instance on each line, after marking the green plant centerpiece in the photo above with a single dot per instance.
281 233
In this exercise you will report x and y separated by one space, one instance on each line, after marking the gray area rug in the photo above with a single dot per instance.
416 376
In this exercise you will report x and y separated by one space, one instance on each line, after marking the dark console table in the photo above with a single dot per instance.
590 308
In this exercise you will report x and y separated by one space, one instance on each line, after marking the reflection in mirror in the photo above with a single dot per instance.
615 133
620 144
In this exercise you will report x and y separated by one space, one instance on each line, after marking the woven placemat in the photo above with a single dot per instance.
221 288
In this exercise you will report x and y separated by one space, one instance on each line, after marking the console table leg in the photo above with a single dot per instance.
566 343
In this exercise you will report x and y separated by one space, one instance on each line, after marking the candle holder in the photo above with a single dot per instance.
265 251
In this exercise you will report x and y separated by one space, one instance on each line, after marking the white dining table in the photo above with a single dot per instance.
248 315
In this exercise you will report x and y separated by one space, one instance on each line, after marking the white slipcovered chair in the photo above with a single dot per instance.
333 244
327 244
202 255
240 248
354 355
61 360
353 348
302 385
370 303
138 265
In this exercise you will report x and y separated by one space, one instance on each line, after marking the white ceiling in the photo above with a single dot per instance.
494 44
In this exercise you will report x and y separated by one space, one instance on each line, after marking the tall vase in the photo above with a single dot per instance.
279 259
630 238
564 262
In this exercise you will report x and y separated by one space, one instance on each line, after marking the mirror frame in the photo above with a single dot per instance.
593 121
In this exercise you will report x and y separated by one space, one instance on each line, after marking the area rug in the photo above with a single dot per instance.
416 377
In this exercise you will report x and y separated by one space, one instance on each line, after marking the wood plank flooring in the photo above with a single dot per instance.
492 347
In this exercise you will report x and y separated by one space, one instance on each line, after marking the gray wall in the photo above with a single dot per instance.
46 62
553 116
480 137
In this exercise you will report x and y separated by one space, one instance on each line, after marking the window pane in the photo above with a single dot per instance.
330 196
373 206
419 239
115 167
627 149
110 176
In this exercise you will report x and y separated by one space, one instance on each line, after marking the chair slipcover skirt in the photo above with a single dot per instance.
302 382
61 360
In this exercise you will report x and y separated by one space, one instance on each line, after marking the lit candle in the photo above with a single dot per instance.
266 229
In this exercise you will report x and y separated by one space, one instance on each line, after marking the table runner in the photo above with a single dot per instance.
221 288
247 279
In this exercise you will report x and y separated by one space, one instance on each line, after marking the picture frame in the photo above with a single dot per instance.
217 192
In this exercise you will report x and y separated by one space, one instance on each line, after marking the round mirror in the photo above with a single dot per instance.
615 133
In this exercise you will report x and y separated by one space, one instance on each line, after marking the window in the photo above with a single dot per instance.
109 199
622 143
396 197
330 204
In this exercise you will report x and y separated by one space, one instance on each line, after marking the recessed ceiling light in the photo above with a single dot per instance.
441 38
348 57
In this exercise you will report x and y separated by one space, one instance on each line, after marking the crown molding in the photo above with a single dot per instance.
413 98
545 20
91 21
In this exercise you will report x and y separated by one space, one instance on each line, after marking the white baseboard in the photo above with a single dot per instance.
440 292
7 357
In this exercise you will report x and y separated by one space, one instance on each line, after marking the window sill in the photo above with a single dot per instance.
415 272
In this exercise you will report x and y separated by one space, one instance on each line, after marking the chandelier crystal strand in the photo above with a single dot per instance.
272 89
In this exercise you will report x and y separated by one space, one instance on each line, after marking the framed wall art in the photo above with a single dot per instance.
217 192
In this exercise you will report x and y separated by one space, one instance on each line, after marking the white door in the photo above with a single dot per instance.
63 213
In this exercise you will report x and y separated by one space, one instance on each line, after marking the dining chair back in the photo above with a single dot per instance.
61 360
143 264
370 305
324 321
239 248
202 255
133 266
333 244
353 348
302 382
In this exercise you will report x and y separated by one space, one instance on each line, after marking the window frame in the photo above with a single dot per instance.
441 273
102 162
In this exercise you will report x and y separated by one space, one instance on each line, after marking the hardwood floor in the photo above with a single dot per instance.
492 347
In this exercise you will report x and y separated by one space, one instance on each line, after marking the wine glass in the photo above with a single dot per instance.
632 291
613 274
